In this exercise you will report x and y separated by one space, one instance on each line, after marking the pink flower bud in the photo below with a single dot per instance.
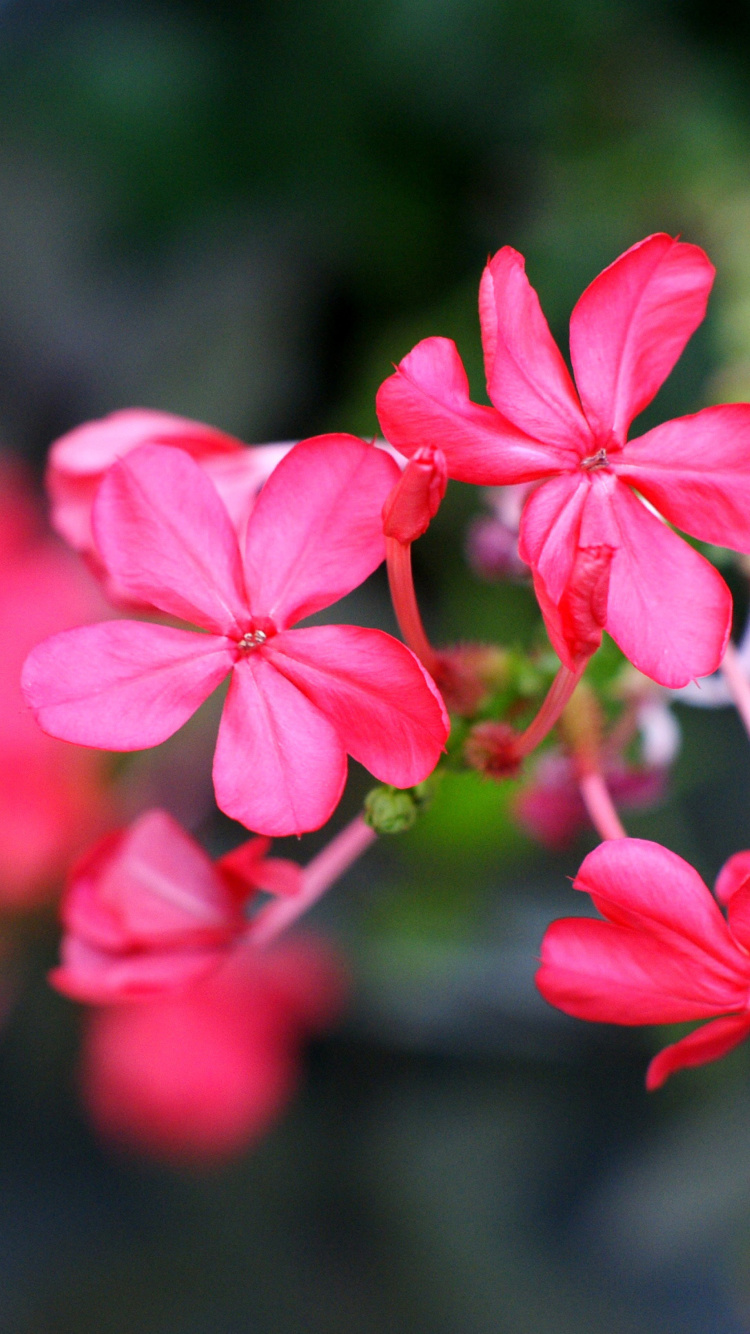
415 499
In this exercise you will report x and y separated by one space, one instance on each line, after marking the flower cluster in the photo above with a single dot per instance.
225 551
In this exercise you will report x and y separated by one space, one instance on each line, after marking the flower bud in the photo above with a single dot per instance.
416 497
390 810
491 749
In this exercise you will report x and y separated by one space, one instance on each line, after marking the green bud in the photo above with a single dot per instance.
389 810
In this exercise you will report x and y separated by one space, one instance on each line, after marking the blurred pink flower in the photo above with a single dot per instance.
601 559
146 910
299 700
53 798
78 461
664 954
551 809
196 1077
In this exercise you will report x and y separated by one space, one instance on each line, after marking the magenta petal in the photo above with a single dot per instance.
630 326
550 528
161 888
427 402
706 1044
614 975
100 978
316 531
696 471
122 685
279 767
733 875
166 538
527 378
669 609
379 698
636 882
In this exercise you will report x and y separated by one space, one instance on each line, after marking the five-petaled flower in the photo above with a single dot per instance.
298 700
664 955
600 558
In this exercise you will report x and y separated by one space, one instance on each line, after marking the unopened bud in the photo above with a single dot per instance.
470 674
390 810
416 497
491 748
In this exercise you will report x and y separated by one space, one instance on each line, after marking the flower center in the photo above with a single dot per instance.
252 640
598 460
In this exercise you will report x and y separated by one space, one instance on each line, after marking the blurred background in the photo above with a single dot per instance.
245 213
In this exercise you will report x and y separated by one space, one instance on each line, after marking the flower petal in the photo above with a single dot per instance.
630 326
669 609
99 978
373 689
696 471
550 528
279 767
122 685
527 378
636 882
614 975
316 531
706 1044
79 459
427 401
157 889
733 875
166 538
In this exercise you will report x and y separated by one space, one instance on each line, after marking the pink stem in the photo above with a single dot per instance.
737 683
318 876
552 706
405 603
599 804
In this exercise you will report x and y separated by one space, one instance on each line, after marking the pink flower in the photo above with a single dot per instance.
551 809
78 461
197 1077
298 700
146 910
600 558
664 954
53 798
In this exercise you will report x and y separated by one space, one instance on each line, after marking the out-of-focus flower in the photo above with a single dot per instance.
53 798
78 461
664 954
196 1077
551 810
601 559
492 539
146 910
299 700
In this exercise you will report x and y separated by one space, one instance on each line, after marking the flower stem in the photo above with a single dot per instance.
318 876
737 683
552 706
599 804
404 599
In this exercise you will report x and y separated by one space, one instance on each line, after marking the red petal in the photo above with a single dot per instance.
527 378
706 1044
630 326
99 978
636 882
669 609
696 471
733 875
614 975
416 497
379 698
427 400
122 685
316 531
279 767
166 538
